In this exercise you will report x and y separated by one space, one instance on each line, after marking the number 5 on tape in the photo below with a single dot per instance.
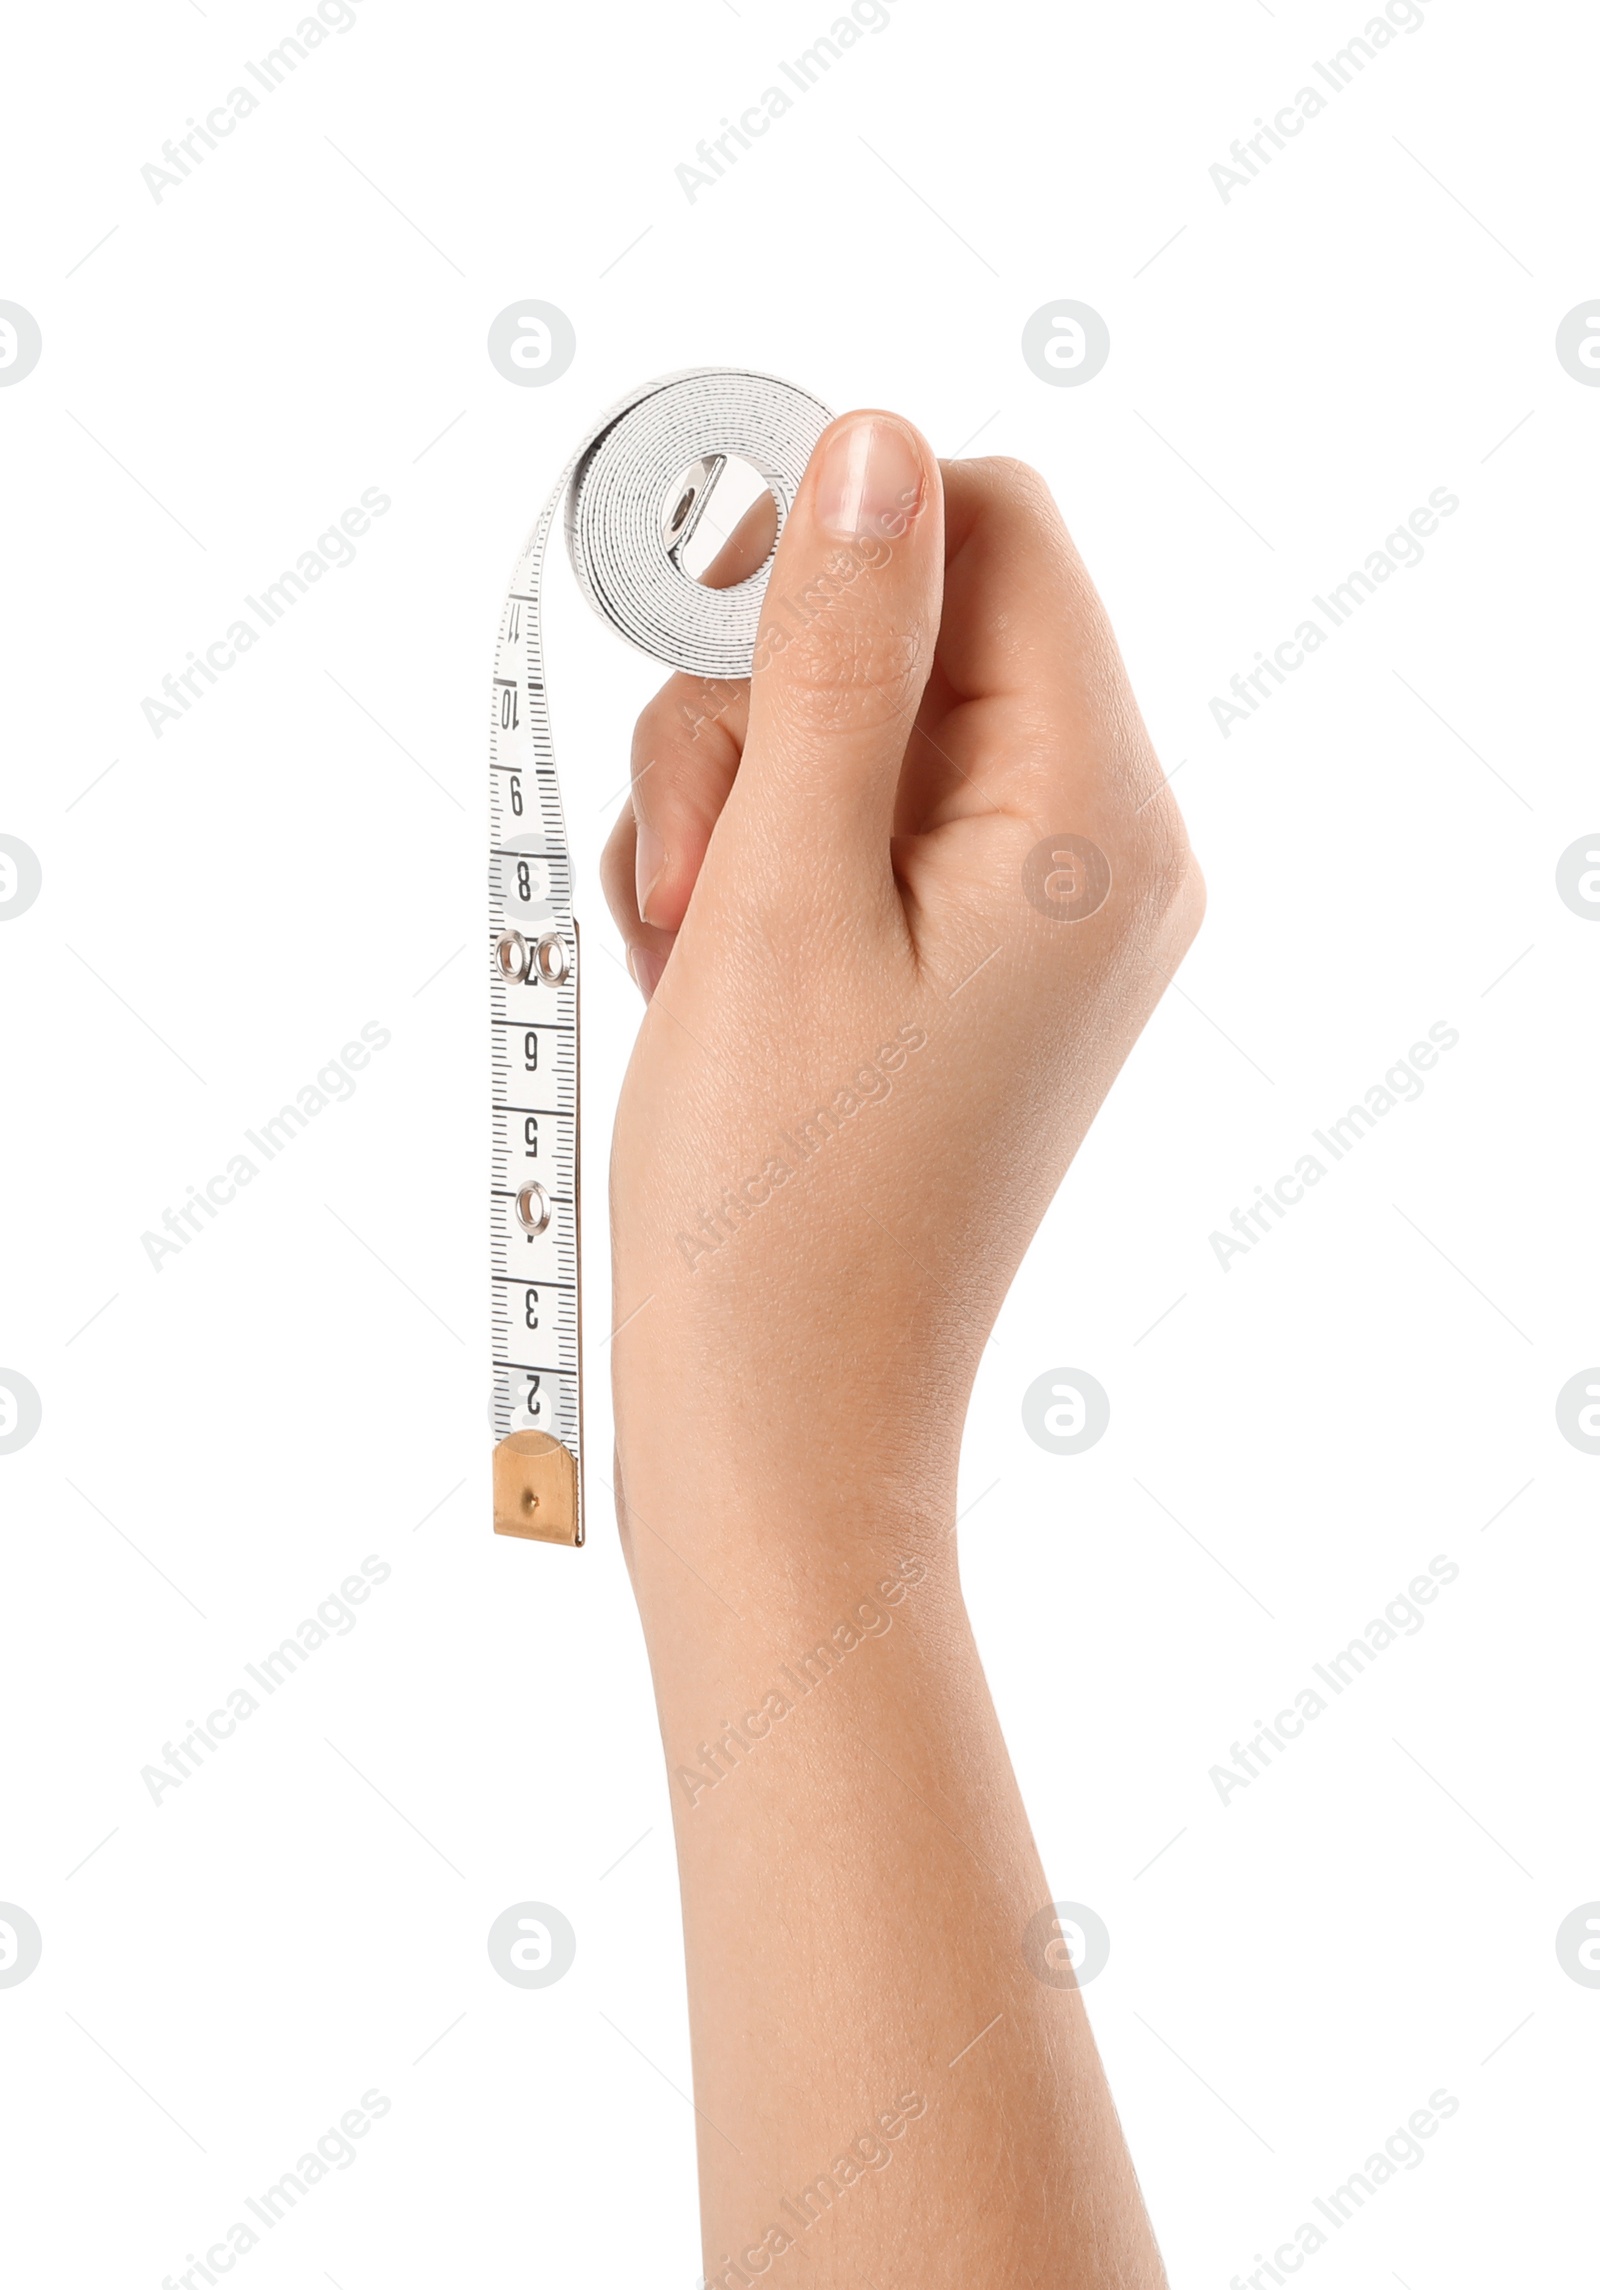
633 494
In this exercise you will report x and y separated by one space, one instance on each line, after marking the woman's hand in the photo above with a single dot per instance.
860 893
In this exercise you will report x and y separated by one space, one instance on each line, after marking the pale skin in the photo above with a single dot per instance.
820 877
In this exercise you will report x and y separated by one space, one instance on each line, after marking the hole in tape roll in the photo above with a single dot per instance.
641 526
719 504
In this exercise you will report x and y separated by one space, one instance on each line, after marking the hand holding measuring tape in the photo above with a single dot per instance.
879 1028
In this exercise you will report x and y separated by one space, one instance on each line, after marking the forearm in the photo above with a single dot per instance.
858 1875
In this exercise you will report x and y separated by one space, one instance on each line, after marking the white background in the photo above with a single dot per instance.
1291 374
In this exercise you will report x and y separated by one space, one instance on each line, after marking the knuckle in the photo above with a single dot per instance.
1189 903
1167 882
1022 513
1011 471
1021 484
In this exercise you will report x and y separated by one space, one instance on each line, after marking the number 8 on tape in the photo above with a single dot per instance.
633 494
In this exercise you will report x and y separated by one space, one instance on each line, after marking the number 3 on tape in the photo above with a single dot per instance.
633 494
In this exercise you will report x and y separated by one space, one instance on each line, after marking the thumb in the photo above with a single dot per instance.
846 643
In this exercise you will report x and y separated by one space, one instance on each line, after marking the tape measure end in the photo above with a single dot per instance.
536 1490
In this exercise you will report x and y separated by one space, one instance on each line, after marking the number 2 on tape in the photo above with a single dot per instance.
633 494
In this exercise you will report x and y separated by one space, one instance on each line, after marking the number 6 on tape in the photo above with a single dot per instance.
633 493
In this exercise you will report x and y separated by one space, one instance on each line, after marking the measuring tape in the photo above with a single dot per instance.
634 493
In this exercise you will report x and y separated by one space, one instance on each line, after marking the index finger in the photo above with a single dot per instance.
1024 633
1019 603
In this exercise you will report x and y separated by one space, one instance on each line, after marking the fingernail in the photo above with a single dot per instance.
870 479
649 859
645 969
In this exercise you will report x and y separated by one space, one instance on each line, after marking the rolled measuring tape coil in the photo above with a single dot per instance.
633 493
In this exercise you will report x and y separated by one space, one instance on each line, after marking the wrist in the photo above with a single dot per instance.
726 1515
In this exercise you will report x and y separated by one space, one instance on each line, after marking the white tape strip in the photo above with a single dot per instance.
634 492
